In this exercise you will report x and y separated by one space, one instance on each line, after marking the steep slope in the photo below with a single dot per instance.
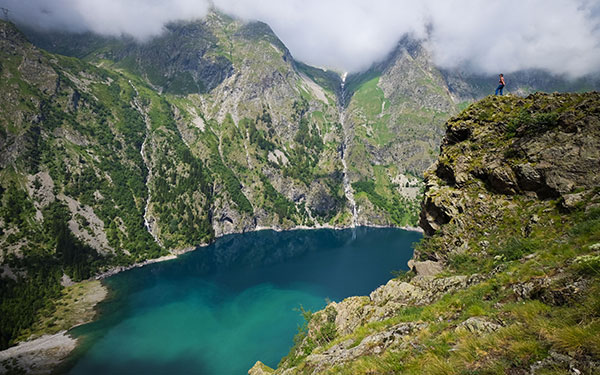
393 117
98 170
508 279
270 127
390 117
264 125
71 173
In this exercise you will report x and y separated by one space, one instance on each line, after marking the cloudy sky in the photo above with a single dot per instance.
562 36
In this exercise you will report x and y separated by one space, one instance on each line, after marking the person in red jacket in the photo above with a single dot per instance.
501 84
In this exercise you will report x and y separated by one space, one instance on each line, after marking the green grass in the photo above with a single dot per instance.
369 98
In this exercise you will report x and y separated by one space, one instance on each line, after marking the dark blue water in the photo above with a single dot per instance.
221 308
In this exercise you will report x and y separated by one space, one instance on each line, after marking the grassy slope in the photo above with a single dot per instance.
367 105
540 266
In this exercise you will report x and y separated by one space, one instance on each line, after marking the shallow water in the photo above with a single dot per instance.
221 308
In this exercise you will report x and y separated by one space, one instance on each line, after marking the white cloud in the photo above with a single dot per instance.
347 35
141 19
562 36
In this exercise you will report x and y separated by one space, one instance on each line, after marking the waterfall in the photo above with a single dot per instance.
347 186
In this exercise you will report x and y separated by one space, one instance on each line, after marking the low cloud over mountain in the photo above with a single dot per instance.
562 36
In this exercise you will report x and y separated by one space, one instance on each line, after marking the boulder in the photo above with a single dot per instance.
570 201
478 324
502 179
395 290
426 268
528 178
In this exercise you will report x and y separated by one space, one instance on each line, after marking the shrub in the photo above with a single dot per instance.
516 248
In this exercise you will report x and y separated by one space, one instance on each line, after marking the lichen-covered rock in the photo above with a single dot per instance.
516 146
426 268
477 324
350 314
373 344
397 291
260 368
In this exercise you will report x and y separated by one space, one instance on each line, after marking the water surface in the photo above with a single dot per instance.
221 308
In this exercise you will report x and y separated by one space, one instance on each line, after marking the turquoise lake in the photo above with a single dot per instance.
221 308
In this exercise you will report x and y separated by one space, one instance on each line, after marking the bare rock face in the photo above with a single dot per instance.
514 145
426 268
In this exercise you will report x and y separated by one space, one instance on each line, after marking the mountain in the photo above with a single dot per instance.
507 280
115 152
390 117
99 169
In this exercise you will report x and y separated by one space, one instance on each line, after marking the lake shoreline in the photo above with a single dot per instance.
42 353
175 253
47 352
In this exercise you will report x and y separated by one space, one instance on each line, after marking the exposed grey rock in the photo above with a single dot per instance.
426 268
529 179
501 179
373 344
570 201
260 368
350 314
395 290
572 366
554 291
478 325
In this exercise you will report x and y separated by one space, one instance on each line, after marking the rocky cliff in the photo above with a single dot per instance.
507 279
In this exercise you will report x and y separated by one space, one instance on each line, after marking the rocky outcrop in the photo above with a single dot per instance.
344 318
542 146
399 335
260 368
478 325
426 268
504 215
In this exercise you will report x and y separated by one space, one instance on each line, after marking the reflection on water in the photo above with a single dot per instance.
219 309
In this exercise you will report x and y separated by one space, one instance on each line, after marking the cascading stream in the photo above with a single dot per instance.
347 186
139 108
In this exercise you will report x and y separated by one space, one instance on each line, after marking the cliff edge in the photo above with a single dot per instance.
508 279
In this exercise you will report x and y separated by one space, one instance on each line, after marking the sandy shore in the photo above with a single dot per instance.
39 356
116 270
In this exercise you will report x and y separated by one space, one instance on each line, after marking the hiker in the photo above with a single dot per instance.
501 84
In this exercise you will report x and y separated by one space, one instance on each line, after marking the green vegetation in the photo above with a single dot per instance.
532 124
283 207
54 252
551 320
22 299
530 264
369 97
305 156
402 211
325 78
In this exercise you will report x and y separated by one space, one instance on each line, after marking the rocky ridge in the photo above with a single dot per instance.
508 272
